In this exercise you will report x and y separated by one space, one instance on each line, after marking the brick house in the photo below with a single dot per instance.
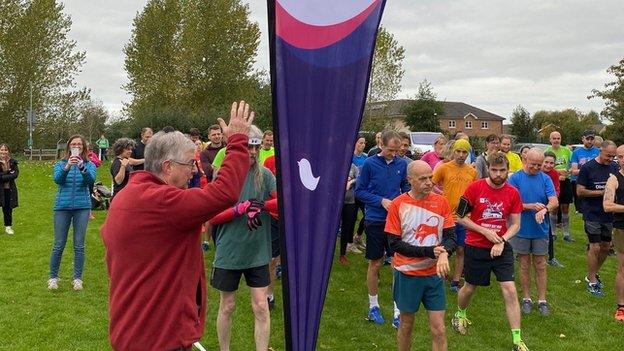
457 117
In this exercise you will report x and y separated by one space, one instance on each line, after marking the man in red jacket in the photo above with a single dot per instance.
152 236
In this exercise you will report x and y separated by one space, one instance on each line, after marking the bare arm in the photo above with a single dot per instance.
135 161
513 226
609 196
581 191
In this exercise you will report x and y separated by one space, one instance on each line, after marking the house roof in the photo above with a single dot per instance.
452 110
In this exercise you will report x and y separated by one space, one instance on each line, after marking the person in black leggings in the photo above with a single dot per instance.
349 215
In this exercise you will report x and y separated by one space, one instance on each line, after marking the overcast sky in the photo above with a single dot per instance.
494 55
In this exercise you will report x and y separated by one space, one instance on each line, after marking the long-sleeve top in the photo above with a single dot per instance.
73 186
379 180
156 269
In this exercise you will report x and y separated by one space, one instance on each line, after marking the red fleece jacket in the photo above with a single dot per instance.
155 264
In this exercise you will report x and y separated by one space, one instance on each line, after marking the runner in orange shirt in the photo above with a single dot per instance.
420 230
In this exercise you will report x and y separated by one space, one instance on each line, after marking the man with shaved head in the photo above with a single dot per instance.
590 186
531 243
421 232
562 165
614 202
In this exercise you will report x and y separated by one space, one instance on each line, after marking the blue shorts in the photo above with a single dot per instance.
460 231
376 241
410 291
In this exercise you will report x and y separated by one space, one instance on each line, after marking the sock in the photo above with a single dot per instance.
565 222
372 301
396 311
541 301
461 313
515 334
525 299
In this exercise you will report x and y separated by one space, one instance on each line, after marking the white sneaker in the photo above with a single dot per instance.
353 249
53 283
9 230
77 283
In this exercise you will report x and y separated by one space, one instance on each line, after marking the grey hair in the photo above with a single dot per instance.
166 146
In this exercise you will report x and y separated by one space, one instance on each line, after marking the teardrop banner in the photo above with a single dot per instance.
321 56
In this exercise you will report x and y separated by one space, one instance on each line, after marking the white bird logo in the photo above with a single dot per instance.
305 174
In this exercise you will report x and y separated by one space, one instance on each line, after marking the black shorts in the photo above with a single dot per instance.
598 232
376 240
478 265
228 279
566 196
275 239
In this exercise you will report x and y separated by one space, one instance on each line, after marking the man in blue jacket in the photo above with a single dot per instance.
382 178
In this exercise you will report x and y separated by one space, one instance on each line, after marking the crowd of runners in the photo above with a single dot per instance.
441 217
487 211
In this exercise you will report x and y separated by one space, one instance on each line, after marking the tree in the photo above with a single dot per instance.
35 51
187 60
421 115
570 122
613 94
387 69
522 126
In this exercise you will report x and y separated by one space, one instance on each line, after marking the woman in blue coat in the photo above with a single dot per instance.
73 174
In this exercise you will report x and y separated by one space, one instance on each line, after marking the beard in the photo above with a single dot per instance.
498 180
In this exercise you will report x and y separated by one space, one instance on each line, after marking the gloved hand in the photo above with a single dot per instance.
252 212
241 208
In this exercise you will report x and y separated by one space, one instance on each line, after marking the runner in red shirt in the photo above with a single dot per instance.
490 210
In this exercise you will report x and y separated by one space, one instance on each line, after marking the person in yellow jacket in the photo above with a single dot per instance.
515 163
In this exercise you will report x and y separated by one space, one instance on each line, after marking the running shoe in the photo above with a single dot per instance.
527 306
53 283
543 308
521 346
9 230
374 315
278 271
597 278
77 284
455 286
619 314
555 263
595 289
568 239
460 324
396 322
343 260
205 246
353 249
388 260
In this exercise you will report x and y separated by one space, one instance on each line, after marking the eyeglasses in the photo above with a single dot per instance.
192 164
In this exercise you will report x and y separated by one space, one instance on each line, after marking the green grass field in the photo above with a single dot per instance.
31 317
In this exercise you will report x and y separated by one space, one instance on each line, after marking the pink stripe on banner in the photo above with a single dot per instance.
307 36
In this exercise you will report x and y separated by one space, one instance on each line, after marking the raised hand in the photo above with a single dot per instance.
240 120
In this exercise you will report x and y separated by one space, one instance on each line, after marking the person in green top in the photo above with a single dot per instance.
102 144
562 166
245 249
267 146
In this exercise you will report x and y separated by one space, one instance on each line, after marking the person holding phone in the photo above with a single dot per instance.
73 174
8 190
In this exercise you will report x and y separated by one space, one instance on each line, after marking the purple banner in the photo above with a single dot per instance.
321 53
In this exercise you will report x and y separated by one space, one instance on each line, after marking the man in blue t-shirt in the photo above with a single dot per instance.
383 177
590 186
531 243
580 156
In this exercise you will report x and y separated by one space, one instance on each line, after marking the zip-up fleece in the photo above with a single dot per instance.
155 263
73 186
378 180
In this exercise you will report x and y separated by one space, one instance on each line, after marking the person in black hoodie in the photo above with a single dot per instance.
8 190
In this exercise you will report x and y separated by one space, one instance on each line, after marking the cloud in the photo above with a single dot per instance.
491 54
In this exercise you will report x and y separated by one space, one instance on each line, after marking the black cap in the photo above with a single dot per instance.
589 133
